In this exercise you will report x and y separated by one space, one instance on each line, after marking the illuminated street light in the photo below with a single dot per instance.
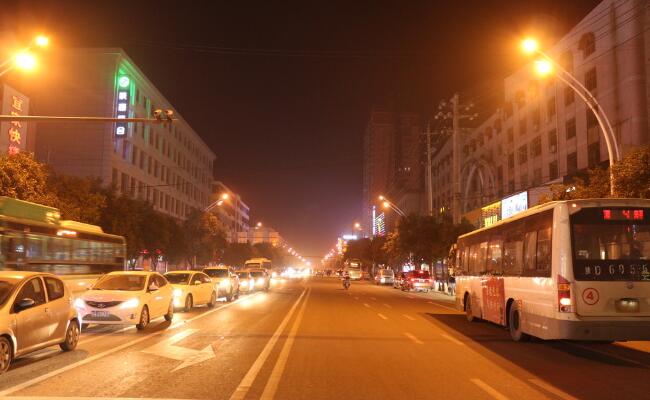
357 225
259 224
42 41
543 67
25 61
225 196
386 204
529 45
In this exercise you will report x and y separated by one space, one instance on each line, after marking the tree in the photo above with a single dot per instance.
206 238
24 178
79 199
236 254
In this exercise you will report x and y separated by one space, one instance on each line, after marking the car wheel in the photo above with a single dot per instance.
468 309
213 300
144 319
188 303
170 312
237 295
6 354
84 327
229 296
71 337
514 324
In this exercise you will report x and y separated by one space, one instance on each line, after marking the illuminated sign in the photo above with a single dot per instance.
350 237
623 215
490 214
514 205
122 105
378 223
14 133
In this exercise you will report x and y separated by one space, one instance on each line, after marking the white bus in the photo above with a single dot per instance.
563 270
354 269
261 263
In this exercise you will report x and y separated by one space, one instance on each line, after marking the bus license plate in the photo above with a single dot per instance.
100 314
627 305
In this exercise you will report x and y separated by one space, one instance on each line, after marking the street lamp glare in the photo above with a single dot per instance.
529 45
386 204
225 196
25 61
543 67
381 198
42 41
259 224
357 225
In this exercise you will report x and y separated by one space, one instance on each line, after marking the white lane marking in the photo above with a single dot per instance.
413 338
244 386
83 398
552 389
112 350
387 305
408 317
452 339
488 389
98 335
274 379
443 306
366 305
382 316
167 348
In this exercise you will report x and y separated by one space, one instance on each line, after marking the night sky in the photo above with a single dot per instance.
281 91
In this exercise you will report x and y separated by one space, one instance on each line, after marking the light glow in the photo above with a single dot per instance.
131 303
25 61
42 41
543 67
529 45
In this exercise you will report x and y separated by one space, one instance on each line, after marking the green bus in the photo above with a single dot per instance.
34 238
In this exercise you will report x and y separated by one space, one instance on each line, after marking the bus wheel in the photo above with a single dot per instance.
468 309
514 324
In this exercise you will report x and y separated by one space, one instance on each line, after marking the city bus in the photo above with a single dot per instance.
34 238
261 263
576 269
354 269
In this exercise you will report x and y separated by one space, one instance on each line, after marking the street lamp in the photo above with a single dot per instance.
259 225
545 66
389 204
24 59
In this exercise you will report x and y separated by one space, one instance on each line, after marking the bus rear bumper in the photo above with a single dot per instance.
604 330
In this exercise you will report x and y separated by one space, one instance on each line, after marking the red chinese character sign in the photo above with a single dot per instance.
13 137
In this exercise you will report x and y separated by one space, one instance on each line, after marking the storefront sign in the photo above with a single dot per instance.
490 214
514 204
122 105
14 133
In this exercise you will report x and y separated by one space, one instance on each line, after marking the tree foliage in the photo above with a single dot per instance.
206 238
79 199
24 178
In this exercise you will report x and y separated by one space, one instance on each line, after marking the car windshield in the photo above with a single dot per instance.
420 274
257 274
386 272
6 286
216 273
179 278
121 282
242 275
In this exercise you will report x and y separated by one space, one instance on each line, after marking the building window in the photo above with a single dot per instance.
550 108
552 141
523 154
132 187
523 181
124 183
155 168
511 135
571 163
566 60
569 96
591 119
114 178
511 186
591 79
536 146
520 98
522 127
537 177
140 190
134 159
511 160
535 117
570 128
553 172
593 154
587 44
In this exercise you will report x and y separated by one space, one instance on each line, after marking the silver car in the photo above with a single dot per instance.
36 311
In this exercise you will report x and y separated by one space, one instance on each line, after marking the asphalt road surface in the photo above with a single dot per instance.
311 339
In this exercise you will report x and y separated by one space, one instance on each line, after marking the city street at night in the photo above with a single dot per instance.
311 339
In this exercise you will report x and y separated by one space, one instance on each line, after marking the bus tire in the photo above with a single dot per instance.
514 324
469 314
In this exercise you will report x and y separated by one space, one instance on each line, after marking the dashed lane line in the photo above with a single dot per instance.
413 338
442 305
408 317
387 305
452 339
382 316
366 305
488 389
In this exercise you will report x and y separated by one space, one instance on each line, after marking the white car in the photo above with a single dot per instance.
192 288
225 282
246 281
125 298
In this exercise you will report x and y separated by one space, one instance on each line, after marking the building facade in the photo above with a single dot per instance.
168 165
233 213
543 133
260 234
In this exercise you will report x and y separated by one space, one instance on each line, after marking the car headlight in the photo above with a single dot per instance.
244 282
224 283
260 281
131 303
79 302
178 292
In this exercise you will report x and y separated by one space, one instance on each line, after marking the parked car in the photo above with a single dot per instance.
261 279
225 281
127 297
417 280
36 311
246 282
397 281
192 288
385 276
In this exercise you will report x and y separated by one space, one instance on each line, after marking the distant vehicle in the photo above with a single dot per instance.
262 263
575 269
34 238
35 312
261 279
225 281
397 281
246 281
385 276
192 288
417 280
354 269
127 298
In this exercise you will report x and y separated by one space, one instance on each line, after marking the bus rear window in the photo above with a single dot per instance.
610 249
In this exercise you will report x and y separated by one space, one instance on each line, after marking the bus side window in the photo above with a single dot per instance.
513 250
473 260
465 261
482 257
495 256
543 266
530 252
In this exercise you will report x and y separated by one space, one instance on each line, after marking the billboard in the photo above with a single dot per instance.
13 139
514 204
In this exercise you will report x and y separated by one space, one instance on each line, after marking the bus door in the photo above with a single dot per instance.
493 296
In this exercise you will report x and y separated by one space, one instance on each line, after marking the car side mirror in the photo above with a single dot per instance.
25 304
197 283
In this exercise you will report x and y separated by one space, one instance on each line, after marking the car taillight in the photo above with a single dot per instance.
563 295
412 280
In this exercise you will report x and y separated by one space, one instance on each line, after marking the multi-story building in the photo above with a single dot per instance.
544 133
167 164
260 234
392 165
231 211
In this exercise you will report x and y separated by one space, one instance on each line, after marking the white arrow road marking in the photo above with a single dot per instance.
189 357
